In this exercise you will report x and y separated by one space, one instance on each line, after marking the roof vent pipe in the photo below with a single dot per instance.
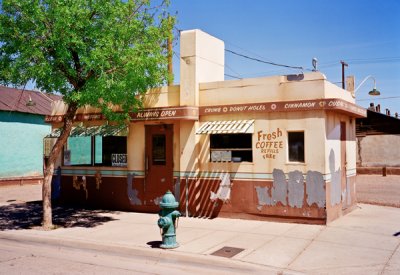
371 107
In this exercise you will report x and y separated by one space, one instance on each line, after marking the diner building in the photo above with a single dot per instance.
271 148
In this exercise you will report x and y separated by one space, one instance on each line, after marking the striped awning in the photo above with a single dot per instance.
103 130
227 127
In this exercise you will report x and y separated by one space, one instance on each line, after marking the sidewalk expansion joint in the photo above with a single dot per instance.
390 257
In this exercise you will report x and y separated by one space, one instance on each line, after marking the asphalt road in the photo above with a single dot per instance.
378 190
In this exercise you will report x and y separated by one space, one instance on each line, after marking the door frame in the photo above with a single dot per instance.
343 164
154 187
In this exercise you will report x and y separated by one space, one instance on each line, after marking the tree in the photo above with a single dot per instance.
100 53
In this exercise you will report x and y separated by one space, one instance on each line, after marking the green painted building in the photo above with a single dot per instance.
22 129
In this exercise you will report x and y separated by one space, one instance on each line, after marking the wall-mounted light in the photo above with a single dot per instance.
374 91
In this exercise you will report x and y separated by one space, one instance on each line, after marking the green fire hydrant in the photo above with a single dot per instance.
167 221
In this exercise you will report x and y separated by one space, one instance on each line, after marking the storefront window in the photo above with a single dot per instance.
296 146
95 151
80 150
231 147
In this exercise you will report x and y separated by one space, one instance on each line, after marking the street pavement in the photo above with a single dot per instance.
379 190
365 241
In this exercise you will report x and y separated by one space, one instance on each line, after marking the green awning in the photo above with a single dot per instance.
103 130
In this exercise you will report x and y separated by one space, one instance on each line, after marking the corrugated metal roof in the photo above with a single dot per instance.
17 100
227 127
377 123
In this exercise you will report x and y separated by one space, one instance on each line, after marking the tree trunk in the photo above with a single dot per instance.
47 222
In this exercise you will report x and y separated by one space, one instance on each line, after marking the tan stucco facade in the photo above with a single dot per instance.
318 189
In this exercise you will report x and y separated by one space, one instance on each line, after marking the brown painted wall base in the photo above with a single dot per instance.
246 216
21 181
115 193
112 193
344 207
378 170
243 203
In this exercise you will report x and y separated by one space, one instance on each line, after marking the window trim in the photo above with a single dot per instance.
92 154
231 149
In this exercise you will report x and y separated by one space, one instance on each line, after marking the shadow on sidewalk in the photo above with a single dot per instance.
27 215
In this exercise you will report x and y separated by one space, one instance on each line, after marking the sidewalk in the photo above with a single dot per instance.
366 241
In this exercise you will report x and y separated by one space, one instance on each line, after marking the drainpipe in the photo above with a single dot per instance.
170 53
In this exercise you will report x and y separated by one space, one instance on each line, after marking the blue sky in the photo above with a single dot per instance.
365 34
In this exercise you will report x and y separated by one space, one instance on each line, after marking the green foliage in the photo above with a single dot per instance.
93 52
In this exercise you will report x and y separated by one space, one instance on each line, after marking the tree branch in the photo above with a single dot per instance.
77 63
135 11
63 69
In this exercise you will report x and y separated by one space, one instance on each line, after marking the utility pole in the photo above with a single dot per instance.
344 64
170 53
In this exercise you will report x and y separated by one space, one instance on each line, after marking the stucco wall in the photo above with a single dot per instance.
21 144
264 162
379 151
263 89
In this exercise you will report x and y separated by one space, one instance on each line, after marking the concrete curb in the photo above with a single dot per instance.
165 256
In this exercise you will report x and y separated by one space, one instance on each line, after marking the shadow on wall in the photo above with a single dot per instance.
335 180
152 97
197 190
28 215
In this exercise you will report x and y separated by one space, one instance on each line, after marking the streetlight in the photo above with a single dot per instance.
374 91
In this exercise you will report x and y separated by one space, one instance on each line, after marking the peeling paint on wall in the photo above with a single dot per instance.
292 191
346 195
224 190
97 176
336 192
263 196
315 188
77 184
296 189
279 189
158 200
177 188
132 193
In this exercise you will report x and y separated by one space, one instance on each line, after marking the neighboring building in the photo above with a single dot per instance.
22 129
280 147
378 142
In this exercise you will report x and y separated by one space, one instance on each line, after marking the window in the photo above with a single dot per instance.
96 151
159 150
231 147
296 146
80 151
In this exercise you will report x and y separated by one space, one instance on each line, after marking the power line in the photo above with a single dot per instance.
263 61
229 68
389 97
229 75
356 61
